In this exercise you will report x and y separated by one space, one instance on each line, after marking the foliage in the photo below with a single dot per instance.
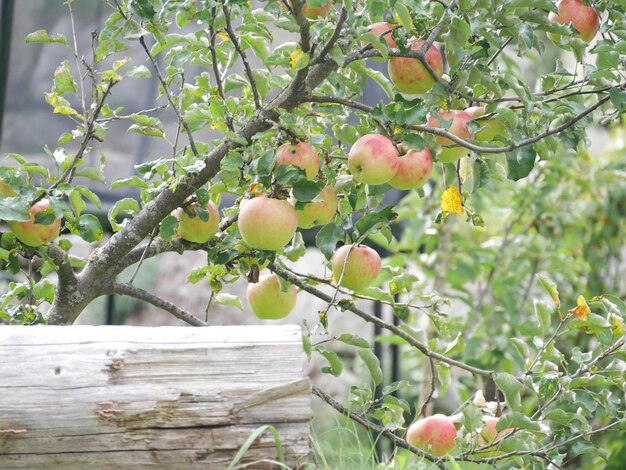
517 298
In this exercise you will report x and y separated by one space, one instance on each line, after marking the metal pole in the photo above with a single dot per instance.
6 23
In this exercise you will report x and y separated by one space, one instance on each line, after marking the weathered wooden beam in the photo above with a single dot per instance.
80 397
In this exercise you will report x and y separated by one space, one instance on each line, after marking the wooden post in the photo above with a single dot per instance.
118 397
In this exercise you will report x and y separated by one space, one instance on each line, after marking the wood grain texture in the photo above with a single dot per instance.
79 397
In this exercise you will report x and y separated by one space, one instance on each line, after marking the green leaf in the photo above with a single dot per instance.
252 439
544 315
44 290
618 98
43 36
328 237
404 15
140 71
305 190
549 286
511 389
520 162
126 205
459 34
14 208
89 228
93 174
517 421
63 81
372 363
353 340
472 417
335 367
373 220
131 182
228 299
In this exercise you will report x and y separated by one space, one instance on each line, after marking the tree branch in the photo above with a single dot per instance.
397 441
377 321
137 293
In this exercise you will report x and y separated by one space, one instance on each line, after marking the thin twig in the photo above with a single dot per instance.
132 291
166 90
244 58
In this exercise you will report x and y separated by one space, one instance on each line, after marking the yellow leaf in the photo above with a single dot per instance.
223 36
582 309
451 201
298 59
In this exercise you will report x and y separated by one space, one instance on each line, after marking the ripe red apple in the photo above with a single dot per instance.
583 17
33 234
410 76
489 433
267 224
301 155
320 210
381 28
267 301
361 269
458 128
490 127
313 13
435 434
192 228
413 171
373 159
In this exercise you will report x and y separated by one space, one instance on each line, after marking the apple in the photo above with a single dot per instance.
361 269
435 434
313 13
373 159
320 210
192 228
458 128
490 127
33 234
414 170
410 76
267 301
381 28
301 155
489 433
267 224
583 17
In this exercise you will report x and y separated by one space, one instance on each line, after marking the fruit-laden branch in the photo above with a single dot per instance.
469 145
377 321
397 441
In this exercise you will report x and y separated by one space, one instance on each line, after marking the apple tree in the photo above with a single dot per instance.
485 118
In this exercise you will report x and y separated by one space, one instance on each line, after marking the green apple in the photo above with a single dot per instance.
414 170
490 127
320 210
410 76
33 234
267 301
361 269
301 155
489 433
267 224
373 159
435 434
192 228
583 17
458 128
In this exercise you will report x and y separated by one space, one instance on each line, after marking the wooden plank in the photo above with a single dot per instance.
165 397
